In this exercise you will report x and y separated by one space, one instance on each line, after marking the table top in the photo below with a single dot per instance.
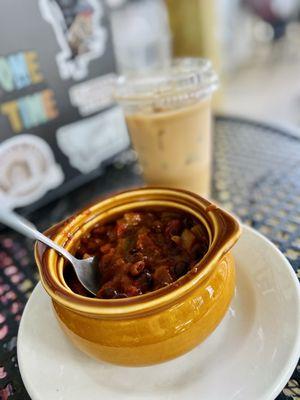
256 175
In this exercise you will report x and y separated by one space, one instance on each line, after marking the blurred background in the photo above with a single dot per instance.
64 141
57 86
254 45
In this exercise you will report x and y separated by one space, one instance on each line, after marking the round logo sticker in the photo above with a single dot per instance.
27 170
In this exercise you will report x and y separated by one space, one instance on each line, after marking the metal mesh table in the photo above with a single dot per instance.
256 175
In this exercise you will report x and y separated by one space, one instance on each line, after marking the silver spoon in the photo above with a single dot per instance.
85 270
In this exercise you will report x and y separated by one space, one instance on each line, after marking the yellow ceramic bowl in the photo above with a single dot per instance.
156 326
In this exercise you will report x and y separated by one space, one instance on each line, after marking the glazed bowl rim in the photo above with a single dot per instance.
51 265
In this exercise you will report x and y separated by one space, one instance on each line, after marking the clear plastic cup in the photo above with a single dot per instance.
168 114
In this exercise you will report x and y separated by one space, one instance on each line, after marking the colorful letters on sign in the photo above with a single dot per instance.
19 71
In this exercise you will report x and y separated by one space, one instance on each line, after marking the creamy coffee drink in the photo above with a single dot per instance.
174 147
169 120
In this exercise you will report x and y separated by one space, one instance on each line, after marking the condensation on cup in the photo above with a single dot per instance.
168 114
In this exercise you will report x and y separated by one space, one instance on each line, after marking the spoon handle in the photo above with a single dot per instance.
26 228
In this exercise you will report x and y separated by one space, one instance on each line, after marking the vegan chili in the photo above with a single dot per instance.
142 251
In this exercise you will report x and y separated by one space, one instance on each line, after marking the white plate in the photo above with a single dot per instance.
250 356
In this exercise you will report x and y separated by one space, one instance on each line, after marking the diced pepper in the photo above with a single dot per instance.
188 239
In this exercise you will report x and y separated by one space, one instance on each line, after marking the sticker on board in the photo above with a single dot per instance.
87 143
28 170
79 33
93 95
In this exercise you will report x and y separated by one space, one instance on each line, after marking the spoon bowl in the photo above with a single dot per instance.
86 270
87 273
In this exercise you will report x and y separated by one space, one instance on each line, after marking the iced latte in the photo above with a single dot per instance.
168 114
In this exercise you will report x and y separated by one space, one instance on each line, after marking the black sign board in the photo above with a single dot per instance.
58 122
